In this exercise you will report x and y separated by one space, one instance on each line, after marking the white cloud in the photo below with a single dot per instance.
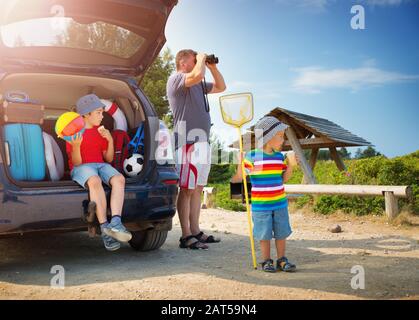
314 5
384 2
321 5
315 79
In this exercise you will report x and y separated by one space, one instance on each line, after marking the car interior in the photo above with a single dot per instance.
60 92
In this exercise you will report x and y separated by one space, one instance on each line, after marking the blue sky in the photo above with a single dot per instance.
304 56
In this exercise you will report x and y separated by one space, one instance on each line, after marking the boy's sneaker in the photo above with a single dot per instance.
117 231
268 266
283 264
110 243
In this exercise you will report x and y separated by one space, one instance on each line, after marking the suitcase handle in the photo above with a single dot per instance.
7 152
17 96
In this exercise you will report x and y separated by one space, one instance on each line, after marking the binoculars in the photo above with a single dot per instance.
211 59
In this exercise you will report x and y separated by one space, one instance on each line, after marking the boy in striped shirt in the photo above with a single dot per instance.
268 172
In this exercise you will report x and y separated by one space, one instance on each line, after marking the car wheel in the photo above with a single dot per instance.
148 239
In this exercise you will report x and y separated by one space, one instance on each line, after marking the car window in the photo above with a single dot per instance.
66 32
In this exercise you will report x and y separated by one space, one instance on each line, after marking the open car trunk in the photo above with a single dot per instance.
96 36
59 93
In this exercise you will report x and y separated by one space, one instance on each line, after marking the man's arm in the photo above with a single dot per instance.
198 73
219 84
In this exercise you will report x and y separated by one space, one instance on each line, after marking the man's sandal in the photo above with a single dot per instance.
189 243
209 239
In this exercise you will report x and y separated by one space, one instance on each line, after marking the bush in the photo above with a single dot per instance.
357 205
415 201
370 171
304 200
222 198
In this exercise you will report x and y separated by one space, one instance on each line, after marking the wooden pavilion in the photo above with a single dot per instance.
308 132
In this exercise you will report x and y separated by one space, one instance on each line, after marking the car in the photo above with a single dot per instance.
56 51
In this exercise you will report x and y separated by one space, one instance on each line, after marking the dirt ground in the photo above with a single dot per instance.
389 255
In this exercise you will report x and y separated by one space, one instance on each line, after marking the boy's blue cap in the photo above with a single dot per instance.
88 104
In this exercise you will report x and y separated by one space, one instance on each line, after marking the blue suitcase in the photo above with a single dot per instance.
25 148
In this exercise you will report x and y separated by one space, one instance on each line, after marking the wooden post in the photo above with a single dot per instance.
313 160
392 208
305 166
338 160
313 157
209 194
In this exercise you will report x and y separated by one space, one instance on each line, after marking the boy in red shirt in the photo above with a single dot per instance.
87 154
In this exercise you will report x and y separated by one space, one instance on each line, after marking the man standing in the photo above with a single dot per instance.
186 91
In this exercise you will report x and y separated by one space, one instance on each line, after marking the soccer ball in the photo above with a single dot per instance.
133 165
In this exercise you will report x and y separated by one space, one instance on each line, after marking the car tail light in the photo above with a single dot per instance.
174 181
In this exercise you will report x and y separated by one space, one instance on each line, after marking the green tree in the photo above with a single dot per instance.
102 37
367 153
323 155
221 171
343 152
154 84
218 149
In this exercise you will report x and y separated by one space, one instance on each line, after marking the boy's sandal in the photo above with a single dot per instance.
268 266
284 265
189 243
209 239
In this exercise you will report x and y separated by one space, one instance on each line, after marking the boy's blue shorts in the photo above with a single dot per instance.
83 172
271 224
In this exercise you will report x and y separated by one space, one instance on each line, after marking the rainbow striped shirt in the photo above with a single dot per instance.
265 171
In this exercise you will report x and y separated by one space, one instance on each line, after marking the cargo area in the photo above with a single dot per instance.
58 93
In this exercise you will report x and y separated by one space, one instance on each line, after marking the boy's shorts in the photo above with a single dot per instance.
83 172
193 164
271 224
